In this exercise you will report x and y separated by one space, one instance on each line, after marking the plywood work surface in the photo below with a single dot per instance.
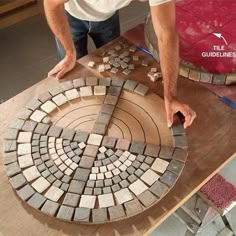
211 146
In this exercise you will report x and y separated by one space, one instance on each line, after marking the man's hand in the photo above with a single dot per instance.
173 106
63 67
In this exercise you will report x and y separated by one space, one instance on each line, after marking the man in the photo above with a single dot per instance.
99 19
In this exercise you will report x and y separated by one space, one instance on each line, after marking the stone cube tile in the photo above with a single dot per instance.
60 99
33 104
50 208
98 163
92 177
106 200
66 85
87 201
91 151
114 91
55 90
88 191
81 136
95 170
149 177
152 150
130 85
9 157
109 142
99 129
102 149
65 213
66 179
180 141
116 212
103 118
100 176
82 145
82 214
99 183
99 215
166 152
130 170
122 144
80 82
103 169
99 90
117 82
11 134
149 160
31 173
68 171
38 115
64 187
108 174
86 91
141 89
133 207
24 137
123 195
105 81
9 146
114 70
43 97
138 187
106 190
177 129
54 193
219 79
17 124
175 167
119 153
36 201
26 192
76 186
180 155
107 182
41 128
160 165
91 81
107 109
29 126
68 134
81 174
111 100
147 198
168 178
128 163
95 139
24 148
72 94
101 156
17 181
137 147
71 199
48 106
159 189
40 184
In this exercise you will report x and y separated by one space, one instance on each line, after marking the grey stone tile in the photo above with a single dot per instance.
107 109
33 104
124 175
111 100
166 152
114 70
219 79
122 144
138 172
99 215
116 179
86 91
11 134
168 178
97 191
106 190
180 155
107 182
103 118
12 169
91 81
51 179
81 136
117 82
80 82
82 214
77 151
180 141
105 81
99 183
91 151
149 160
115 187
130 85
159 189
109 142
65 213
124 183
144 166
152 150
10 157
76 186
54 131
17 124
147 198
141 89
130 170
114 91
136 164
57 183
140 158
177 129
24 114
71 199
88 191
68 134
66 85
137 147
55 90
81 174
99 90
26 192
36 201
175 167
44 97
54 193
133 207
50 208
64 186
41 128
116 212
90 183
99 129
106 161
9 145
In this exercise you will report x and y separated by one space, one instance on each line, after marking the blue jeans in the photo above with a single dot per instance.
101 32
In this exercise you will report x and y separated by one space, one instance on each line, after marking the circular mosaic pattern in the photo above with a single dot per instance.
94 150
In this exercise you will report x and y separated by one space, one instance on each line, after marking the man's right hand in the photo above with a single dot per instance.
64 66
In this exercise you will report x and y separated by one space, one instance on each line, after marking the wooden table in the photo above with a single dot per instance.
211 146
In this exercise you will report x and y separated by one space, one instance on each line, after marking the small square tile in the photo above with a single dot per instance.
133 207
152 150
91 151
180 141
99 129
160 165
60 99
54 193
41 128
166 152
17 181
81 174
107 109
95 139
72 94
82 214
159 189
80 82
141 89
26 192
67 134
137 147
103 118
48 106
81 136
175 167
36 201
38 115
99 215
123 196
116 212
123 144
24 137
24 148
109 142
54 131
65 213
91 81
86 162
99 90
138 187
168 178
180 155
29 126
149 177
50 208
33 104
87 201
147 198
25 161
106 200
91 64
40 184
111 100
86 91
114 91
130 85
76 186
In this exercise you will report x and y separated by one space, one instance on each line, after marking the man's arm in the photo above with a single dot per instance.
163 17
56 17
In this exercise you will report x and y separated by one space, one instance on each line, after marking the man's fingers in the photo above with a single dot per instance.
189 115
169 115
55 70
60 74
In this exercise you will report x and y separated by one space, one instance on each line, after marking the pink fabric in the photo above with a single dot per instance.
220 192
196 21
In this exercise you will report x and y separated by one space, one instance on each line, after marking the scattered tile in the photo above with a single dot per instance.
91 64
126 72
160 165
54 193
86 91
138 187
141 89
101 68
144 63
114 70
106 200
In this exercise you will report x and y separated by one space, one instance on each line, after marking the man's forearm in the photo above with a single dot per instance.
169 60
56 17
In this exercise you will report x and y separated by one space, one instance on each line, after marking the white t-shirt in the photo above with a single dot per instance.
99 10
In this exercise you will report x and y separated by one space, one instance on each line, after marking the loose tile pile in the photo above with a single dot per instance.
87 177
